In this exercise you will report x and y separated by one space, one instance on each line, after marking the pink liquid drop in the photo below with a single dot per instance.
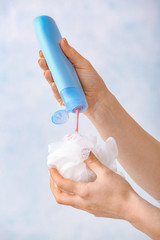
77 119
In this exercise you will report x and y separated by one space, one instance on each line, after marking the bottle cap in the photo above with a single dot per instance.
60 117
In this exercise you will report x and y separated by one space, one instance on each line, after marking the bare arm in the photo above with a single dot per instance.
145 217
139 153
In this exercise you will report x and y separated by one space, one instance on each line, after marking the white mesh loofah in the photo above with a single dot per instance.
68 156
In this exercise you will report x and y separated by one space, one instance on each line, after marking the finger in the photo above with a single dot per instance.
76 59
41 54
48 76
65 198
56 93
67 184
50 80
42 63
94 164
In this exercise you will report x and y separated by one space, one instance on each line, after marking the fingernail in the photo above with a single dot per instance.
38 61
65 40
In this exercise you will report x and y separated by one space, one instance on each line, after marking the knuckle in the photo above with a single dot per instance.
104 172
84 192
58 199
87 62
59 184
86 207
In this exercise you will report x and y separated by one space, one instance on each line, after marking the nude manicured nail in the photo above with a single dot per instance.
66 41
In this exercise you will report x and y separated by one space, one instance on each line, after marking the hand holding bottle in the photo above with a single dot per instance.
92 84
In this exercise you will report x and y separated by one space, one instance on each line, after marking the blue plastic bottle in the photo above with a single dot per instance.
61 68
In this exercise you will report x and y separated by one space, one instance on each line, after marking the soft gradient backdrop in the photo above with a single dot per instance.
122 41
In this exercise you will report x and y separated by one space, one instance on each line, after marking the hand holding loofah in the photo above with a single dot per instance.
68 156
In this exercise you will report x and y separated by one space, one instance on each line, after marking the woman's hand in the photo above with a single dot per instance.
107 196
92 84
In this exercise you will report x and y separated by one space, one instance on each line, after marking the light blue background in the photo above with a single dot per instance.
122 41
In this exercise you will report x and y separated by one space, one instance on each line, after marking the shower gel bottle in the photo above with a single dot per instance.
62 70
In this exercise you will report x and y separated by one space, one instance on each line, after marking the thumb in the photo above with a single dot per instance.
75 58
94 164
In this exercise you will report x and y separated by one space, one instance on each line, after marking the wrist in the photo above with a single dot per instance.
132 208
144 216
102 107
105 114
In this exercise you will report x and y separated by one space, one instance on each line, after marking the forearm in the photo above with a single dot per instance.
144 216
139 153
